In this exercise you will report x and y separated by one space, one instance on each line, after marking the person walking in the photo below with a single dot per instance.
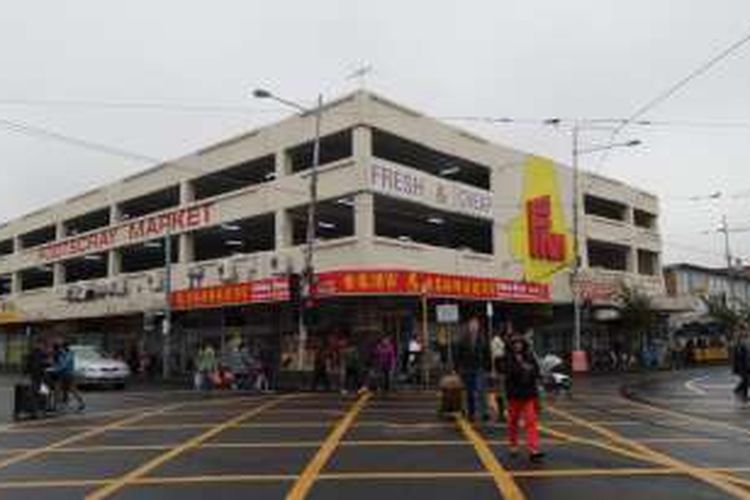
37 362
497 349
239 363
385 362
320 368
352 369
472 363
741 365
205 367
64 367
521 386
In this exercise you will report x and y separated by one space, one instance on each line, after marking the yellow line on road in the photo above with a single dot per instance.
690 418
508 488
95 431
716 479
350 476
305 482
117 484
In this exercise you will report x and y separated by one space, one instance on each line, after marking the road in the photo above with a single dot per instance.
675 435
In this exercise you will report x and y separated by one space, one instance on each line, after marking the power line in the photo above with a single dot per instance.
669 92
136 105
43 133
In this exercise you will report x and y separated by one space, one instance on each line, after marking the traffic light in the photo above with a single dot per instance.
310 313
295 290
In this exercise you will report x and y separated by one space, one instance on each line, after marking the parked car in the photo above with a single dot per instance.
93 368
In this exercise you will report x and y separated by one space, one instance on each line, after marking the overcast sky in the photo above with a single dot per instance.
88 69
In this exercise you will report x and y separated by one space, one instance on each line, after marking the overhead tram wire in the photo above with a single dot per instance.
46 134
672 90
220 108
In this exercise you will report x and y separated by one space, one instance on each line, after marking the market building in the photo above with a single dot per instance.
411 212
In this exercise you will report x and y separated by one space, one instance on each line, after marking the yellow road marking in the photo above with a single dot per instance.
303 485
95 431
117 484
346 476
716 479
598 444
508 488
691 418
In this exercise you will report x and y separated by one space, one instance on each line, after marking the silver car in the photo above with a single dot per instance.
93 368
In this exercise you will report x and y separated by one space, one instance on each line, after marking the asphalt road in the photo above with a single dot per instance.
677 435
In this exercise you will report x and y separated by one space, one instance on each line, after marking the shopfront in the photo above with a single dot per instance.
358 306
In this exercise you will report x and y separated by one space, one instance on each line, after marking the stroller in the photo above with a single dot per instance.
554 378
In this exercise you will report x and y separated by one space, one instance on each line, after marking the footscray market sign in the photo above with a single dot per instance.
132 231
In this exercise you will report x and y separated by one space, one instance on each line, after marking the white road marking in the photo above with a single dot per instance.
691 385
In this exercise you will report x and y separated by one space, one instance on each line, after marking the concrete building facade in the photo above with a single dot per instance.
410 208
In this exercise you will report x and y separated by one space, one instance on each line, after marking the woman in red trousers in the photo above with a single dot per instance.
521 386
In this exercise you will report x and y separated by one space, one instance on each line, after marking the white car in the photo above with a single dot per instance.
91 368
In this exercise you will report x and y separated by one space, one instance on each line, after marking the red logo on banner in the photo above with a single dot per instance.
543 243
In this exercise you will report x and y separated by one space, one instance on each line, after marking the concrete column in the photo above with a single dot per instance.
633 260
114 264
58 274
187 193
283 230
362 142
362 152
281 164
15 286
583 251
59 230
114 214
630 215
186 248
364 216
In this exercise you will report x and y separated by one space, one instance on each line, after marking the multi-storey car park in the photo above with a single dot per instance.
412 213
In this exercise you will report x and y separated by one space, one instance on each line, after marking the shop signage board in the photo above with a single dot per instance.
401 282
258 291
131 231
447 313
363 282
414 185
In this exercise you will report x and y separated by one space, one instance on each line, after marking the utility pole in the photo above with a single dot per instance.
728 254
308 272
312 222
575 288
167 323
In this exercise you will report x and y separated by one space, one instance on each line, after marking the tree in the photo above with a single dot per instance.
727 317
637 314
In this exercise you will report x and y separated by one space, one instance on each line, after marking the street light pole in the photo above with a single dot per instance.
576 246
308 272
579 360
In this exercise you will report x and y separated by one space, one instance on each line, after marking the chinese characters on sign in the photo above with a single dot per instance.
543 243
366 282
414 185
432 284
129 232
267 290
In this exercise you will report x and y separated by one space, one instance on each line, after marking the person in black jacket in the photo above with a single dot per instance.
37 362
473 362
521 386
741 366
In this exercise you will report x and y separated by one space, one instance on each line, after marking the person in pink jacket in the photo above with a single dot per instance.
385 362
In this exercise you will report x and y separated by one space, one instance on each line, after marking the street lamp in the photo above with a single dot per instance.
308 273
580 362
